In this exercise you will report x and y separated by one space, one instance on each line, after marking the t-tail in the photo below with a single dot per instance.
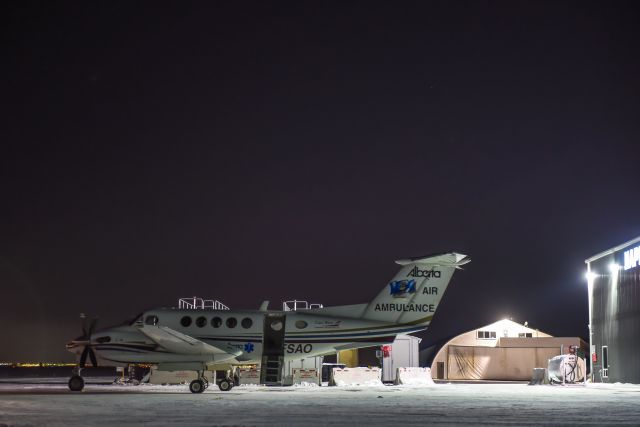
414 293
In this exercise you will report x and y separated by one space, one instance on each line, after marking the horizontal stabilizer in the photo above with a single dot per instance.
354 310
450 259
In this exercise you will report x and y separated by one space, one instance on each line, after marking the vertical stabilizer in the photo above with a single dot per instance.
414 293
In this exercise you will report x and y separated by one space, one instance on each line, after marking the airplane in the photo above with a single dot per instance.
197 340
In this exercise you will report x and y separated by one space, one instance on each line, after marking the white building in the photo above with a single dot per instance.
502 351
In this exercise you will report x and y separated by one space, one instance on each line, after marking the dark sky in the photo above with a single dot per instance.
246 151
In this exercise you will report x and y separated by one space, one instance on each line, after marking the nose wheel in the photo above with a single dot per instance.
76 383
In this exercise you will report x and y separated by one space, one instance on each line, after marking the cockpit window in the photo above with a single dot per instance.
103 339
151 320
137 319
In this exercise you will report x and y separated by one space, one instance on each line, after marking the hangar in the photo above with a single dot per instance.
502 351
613 278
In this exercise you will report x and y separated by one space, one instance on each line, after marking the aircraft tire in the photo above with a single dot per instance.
76 383
196 386
225 385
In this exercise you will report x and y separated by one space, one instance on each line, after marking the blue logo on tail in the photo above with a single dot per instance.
401 288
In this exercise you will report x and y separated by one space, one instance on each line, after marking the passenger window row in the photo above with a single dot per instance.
216 322
201 321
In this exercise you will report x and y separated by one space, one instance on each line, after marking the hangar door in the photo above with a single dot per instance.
496 363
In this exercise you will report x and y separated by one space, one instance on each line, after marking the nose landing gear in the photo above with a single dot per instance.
76 382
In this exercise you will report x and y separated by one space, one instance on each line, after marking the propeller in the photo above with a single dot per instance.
85 339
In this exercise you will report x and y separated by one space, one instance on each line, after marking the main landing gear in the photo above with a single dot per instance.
231 380
225 384
200 384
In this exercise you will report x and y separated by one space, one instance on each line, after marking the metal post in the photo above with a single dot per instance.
590 299
564 370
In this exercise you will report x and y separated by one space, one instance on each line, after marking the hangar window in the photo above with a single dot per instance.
232 322
486 335
151 320
246 323
301 324
216 322
525 335
201 321
185 321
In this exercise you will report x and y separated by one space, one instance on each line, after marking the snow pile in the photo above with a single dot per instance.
53 405
306 384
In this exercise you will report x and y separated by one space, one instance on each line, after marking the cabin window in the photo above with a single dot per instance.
301 324
216 322
185 321
151 320
232 322
247 322
276 325
201 321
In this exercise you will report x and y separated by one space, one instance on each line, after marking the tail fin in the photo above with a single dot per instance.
414 293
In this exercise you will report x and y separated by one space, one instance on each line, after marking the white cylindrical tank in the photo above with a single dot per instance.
566 368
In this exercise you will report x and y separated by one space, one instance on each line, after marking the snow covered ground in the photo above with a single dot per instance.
441 404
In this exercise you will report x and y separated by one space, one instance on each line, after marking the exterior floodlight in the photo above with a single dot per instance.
591 276
613 267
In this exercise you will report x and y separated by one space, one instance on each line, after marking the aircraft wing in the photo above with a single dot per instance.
177 342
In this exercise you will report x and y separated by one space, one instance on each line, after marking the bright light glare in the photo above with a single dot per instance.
613 267
590 275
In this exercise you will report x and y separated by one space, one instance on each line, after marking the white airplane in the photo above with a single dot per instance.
197 340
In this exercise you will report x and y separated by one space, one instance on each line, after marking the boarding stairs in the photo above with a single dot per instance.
272 370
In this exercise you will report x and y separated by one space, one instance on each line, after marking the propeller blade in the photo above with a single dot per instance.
92 356
83 318
92 327
83 356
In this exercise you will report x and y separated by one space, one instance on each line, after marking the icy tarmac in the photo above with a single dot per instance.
442 404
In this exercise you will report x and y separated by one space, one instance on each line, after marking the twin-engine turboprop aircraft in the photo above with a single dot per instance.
175 339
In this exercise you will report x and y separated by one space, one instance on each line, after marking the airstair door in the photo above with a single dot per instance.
272 349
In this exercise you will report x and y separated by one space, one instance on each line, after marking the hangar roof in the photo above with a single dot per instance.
612 250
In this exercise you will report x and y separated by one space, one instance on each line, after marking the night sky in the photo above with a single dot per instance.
248 151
